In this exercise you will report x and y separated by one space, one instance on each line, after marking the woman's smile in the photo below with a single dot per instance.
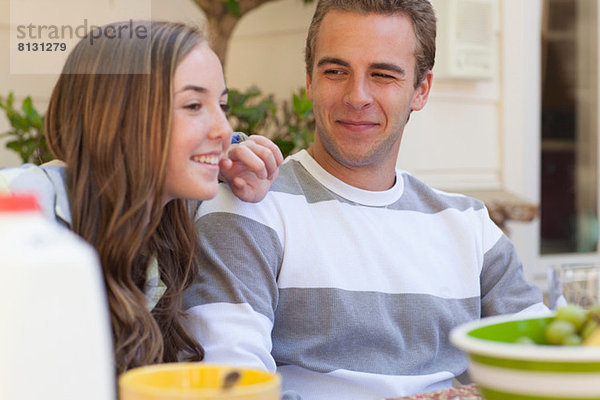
210 159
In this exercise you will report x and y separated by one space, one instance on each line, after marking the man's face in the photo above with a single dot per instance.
362 87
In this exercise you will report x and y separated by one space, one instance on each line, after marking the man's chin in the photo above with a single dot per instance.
354 160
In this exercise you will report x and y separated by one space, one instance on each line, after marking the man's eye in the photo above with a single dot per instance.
225 107
382 75
333 72
193 106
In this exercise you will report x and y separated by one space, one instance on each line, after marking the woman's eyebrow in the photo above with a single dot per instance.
200 89
194 88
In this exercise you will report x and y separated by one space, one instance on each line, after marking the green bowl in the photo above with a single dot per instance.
505 370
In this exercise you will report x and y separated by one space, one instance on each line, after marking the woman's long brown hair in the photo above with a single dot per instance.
109 119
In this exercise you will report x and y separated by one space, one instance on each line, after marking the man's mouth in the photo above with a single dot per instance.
206 159
358 125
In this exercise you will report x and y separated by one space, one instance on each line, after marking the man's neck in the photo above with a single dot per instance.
377 177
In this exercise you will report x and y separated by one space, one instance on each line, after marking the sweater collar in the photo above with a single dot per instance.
349 192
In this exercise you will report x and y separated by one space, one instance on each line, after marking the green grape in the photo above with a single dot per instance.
524 340
572 326
595 309
558 330
573 314
572 340
589 328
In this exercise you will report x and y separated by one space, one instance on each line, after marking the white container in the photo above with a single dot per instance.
55 337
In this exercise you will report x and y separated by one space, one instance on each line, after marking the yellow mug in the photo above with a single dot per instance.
198 381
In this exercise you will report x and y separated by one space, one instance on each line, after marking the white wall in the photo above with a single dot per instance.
267 48
454 142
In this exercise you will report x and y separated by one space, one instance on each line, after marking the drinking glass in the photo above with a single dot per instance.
578 283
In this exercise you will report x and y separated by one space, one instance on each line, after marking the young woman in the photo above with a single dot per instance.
138 118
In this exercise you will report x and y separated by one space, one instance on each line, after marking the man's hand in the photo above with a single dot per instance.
251 167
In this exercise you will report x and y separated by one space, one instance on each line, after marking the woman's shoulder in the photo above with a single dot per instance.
47 182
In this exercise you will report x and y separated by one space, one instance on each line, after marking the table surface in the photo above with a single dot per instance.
467 392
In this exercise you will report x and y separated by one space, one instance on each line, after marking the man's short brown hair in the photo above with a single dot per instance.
419 11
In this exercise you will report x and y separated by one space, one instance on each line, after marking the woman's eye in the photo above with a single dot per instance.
225 107
193 106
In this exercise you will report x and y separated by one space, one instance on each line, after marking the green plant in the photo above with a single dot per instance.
233 6
250 112
297 126
27 131
291 128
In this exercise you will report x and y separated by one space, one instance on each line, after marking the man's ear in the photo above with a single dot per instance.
309 87
422 92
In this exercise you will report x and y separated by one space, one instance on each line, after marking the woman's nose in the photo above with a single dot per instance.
220 129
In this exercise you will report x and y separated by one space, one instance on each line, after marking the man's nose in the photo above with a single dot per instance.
358 94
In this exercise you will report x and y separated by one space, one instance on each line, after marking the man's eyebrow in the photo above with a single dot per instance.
389 67
381 65
332 60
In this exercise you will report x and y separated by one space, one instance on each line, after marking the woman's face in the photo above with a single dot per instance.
200 132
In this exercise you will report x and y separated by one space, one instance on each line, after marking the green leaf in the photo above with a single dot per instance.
19 148
36 121
8 105
32 116
286 146
17 121
27 130
14 145
27 106
253 91
233 6
308 136
302 104
250 110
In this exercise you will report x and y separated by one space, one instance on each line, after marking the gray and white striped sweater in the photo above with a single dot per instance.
349 294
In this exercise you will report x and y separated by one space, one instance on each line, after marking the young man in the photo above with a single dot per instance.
350 274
